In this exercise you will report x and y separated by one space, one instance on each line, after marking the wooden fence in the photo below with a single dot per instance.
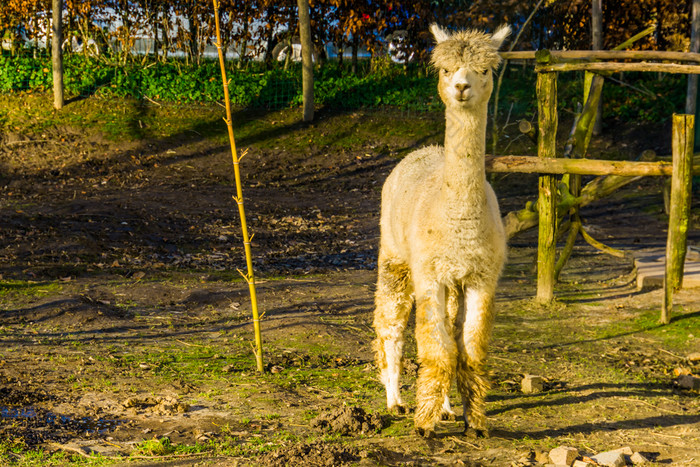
548 64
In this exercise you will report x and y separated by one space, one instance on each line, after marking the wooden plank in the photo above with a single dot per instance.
546 204
679 215
559 166
614 67
562 55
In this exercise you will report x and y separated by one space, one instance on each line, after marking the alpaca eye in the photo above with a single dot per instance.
444 71
485 71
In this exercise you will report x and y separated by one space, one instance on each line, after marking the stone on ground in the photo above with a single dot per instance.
532 383
610 459
564 455
689 382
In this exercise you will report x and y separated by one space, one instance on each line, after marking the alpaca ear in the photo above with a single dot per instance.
439 33
500 35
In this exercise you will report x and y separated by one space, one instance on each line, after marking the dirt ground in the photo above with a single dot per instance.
126 329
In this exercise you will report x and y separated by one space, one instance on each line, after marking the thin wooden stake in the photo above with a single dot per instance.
679 215
546 204
249 275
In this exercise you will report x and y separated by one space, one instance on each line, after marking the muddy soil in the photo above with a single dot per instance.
124 320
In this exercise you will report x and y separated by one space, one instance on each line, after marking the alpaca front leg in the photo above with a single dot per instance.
437 354
393 305
472 375
389 351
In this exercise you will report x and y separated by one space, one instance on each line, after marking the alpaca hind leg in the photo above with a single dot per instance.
393 306
447 413
472 375
437 354
473 384
454 303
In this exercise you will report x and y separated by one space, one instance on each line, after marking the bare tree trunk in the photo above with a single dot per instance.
341 48
193 32
269 36
355 47
306 59
155 23
166 31
35 17
57 54
242 57
597 44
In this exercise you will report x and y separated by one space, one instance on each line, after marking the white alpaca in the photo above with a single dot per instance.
442 243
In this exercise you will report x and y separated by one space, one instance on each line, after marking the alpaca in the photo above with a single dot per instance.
443 245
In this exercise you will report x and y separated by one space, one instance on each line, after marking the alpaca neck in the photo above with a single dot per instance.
465 145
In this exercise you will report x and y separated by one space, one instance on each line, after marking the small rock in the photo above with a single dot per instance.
581 464
610 459
564 455
639 458
532 383
689 382
694 357
138 275
541 457
627 451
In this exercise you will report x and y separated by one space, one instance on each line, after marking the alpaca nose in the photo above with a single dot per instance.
461 87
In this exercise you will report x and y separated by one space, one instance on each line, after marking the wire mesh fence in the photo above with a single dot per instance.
374 83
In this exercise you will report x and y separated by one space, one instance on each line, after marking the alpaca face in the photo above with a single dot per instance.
465 87
465 60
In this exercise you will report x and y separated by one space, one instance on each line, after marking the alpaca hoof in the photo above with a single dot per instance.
474 433
445 416
398 410
426 433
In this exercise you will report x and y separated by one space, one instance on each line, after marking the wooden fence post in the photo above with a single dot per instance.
678 219
547 202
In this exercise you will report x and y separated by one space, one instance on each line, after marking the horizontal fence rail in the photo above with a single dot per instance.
616 67
607 55
560 166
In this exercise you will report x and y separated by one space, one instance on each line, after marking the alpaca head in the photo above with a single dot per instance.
465 60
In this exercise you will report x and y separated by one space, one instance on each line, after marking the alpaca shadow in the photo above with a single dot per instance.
658 421
604 390
674 319
599 392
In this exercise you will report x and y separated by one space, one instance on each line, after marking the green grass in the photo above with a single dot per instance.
117 119
670 336
156 447
28 288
